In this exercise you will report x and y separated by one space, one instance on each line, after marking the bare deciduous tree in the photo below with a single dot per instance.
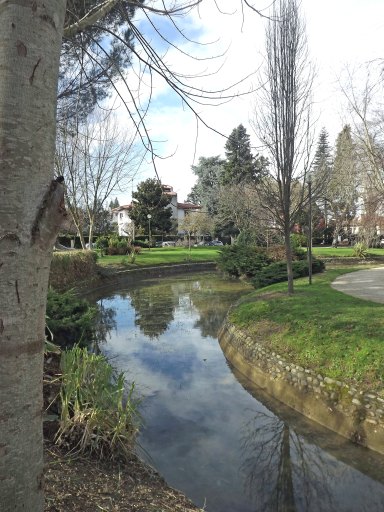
282 119
96 160
247 215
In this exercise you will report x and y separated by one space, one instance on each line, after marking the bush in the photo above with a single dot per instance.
277 272
360 250
99 415
70 267
298 240
70 319
101 242
139 243
277 253
238 260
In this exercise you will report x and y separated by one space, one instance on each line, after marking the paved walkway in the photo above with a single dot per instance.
364 284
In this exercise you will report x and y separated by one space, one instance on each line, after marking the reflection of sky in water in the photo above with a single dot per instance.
208 436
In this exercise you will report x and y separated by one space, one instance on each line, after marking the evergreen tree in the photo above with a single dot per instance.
206 190
342 187
149 199
321 174
241 166
114 203
322 162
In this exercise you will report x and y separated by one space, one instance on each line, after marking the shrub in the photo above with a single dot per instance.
360 250
277 272
70 319
139 243
239 260
101 242
69 267
99 415
277 253
298 240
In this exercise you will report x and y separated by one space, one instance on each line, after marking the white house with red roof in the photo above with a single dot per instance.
126 227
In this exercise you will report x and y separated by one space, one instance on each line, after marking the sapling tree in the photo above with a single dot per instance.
282 119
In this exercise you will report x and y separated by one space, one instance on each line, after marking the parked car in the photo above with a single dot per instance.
168 244
215 243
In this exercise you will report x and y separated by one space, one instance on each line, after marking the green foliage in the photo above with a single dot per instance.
241 166
101 242
277 272
141 244
206 189
99 413
360 250
238 260
246 237
71 320
151 200
298 240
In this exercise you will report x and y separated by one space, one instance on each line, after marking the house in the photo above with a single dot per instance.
120 215
125 225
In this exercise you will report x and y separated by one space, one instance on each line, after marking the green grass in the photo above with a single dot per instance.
343 252
163 256
319 328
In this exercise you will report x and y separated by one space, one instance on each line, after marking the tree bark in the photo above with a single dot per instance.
32 208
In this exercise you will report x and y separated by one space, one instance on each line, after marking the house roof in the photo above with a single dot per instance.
188 206
121 208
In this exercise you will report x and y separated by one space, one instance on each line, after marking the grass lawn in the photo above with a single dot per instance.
343 252
319 328
163 256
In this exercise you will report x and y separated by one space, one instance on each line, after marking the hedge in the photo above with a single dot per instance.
277 272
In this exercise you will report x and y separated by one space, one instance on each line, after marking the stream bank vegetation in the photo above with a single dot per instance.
319 328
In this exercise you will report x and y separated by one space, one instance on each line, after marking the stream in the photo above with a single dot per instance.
209 431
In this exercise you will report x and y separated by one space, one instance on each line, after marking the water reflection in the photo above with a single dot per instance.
208 430
154 306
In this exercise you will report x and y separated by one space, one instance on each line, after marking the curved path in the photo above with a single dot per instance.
365 284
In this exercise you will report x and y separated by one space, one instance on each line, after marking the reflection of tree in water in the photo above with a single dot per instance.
212 299
276 461
154 306
104 323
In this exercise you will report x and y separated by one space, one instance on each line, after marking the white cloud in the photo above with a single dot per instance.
346 31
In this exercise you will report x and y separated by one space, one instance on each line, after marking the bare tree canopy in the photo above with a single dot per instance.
96 159
282 118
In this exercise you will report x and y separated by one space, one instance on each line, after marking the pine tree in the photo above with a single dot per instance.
342 193
322 162
241 166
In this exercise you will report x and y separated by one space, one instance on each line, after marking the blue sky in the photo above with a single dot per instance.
340 33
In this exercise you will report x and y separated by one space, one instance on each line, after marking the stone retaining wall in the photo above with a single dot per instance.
356 415
108 278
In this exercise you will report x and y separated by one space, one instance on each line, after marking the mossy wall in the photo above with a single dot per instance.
352 413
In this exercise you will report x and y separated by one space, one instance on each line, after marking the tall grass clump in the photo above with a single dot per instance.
71 267
99 413
360 250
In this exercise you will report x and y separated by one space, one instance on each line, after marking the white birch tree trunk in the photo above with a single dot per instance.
31 210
